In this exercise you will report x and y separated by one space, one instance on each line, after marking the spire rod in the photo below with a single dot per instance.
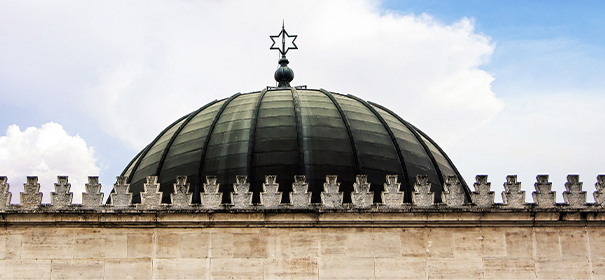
283 75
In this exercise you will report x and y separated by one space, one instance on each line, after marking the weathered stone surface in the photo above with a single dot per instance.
563 269
513 196
543 196
483 196
422 195
401 268
77 269
182 244
331 197
599 194
236 268
391 196
61 197
574 196
100 244
93 197
509 268
25 269
346 268
241 197
300 197
31 197
361 197
291 268
152 196
181 268
270 198
181 198
5 195
122 197
128 268
453 194
211 197
48 243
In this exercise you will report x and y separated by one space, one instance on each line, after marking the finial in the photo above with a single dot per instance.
283 75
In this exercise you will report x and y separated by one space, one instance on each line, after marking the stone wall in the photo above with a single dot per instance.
431 245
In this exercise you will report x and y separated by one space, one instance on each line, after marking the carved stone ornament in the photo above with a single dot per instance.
152 196
5 195
599 194
122 197
211 197
574 196
391 196
270 198
31 196
543 196
181 198
331 197
422 195
361 197
61 197
93 197
453 194
513 196
483 196
300 197
241 197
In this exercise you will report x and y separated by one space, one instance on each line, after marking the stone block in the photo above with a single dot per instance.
77 269
10 245
333 243
361 197
5 195
25 269
467 242
100 243
519 243
574 196
444 268
236 268
563 269
121 197
61 197
45 243
151 197
270 198
211 197
241 197
181 198
574 243
128 268
181 268
422 195
182 243
401 268
547 244
482 196
440 243
346 268
31 197
331 197
140 244
453 194
509 268
93 197
597 243
494 242
413 242
304 243
291 268
544 197
599 194
513 196
391 196
300 197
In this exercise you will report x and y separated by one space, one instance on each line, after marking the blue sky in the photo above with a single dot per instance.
515 87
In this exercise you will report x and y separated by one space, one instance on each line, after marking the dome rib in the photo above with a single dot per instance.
391 135
176 134
299 134
358 165
252 140
196 187
144 152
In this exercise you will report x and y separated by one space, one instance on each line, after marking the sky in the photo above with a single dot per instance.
504 87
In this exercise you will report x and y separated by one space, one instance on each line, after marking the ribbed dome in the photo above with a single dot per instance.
287 132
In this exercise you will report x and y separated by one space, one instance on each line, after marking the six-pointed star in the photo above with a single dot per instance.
283 50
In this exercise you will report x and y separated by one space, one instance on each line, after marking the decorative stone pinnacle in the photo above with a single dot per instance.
599 194
422 195
361 197
300 197
513 196
574 196
93 197
152 196
211 197
241 197
543 196
391 196
452 194
331 197
5 195
31 196
181 198
483 196
270 198
122 197
61 197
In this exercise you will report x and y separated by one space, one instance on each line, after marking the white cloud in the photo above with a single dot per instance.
141 65
45 152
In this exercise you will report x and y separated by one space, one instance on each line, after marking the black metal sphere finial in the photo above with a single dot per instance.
283 75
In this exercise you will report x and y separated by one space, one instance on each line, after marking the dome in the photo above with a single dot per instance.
287 132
